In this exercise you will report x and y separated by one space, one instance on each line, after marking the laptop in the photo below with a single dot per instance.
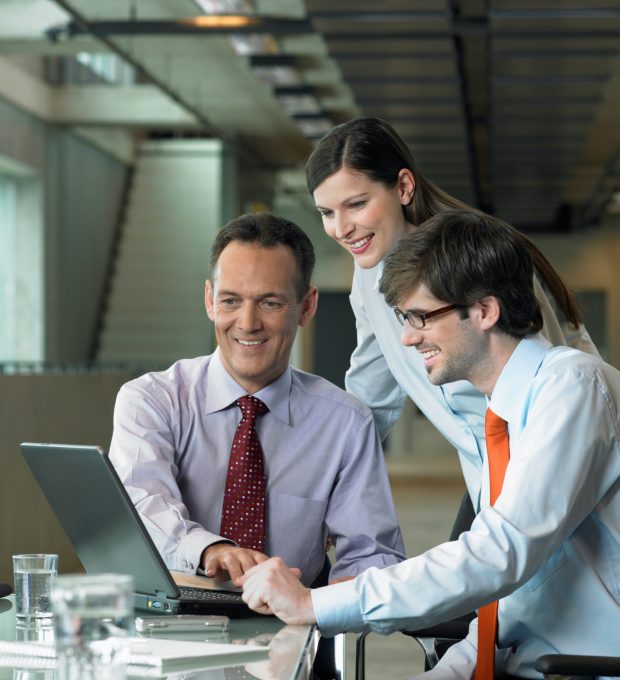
108 535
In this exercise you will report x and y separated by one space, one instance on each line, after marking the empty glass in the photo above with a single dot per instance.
93 612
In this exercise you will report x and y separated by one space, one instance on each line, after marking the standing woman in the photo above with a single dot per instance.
369 193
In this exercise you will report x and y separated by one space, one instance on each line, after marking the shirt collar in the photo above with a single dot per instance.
513 384
379 269
222 390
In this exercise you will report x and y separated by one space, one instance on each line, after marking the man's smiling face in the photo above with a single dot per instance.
453 348
253 303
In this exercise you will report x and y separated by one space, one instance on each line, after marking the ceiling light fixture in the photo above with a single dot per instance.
229 22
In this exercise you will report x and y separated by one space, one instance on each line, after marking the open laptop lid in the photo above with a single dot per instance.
97 514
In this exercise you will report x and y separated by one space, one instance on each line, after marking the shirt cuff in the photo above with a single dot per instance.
200 570
337 609
191 548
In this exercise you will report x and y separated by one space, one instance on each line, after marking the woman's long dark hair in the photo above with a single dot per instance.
372 147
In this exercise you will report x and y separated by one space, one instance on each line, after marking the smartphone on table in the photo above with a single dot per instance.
181 623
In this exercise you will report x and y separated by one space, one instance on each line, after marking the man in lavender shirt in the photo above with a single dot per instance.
324 468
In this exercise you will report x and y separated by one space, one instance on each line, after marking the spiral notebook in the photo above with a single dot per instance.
146 656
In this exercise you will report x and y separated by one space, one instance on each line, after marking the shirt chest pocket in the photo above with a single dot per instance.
294 517
296 528
554 563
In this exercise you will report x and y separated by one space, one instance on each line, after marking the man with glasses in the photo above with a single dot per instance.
541 558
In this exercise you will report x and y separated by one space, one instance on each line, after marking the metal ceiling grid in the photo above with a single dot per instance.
511 105
402 64
501 101
548 64
201 71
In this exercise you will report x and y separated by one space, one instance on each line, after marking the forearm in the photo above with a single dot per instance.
361 516
336 609
144 451
179 540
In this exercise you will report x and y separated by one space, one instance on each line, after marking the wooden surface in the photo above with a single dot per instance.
68 409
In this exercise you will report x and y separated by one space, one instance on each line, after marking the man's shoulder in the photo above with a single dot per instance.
561 358
573 366
182 374
324 392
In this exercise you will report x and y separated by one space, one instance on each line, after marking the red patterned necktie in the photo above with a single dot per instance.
243 512
498 454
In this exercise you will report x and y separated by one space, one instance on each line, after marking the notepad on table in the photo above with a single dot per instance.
159 654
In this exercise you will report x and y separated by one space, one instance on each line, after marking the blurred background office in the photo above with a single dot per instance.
131 130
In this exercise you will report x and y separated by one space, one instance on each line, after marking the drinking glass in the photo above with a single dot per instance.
93 612
33 577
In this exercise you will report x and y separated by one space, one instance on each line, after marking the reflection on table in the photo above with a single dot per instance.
290 654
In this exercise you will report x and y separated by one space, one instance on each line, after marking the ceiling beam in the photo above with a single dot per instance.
149 76
201 25
142 106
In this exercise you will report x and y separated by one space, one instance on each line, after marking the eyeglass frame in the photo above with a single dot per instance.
422 317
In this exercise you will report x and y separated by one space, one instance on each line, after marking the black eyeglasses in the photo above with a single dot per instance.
418 321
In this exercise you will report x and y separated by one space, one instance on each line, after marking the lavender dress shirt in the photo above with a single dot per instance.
323 464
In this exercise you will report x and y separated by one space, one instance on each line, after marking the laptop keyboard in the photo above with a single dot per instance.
187 592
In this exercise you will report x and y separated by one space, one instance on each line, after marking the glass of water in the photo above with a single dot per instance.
33 575
92 615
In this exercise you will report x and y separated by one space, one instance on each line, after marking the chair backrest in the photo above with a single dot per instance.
464 517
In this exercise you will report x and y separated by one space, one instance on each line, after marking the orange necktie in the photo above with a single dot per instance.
498 454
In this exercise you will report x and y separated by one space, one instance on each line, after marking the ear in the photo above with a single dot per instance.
406 186
309 305
209 304
486 312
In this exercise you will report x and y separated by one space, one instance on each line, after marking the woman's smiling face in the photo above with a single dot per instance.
365 217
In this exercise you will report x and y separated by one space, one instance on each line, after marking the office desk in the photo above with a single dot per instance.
291 650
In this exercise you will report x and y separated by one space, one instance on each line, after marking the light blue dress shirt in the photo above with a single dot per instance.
323 462
383 373
549 547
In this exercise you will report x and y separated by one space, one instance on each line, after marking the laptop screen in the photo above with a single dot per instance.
97 514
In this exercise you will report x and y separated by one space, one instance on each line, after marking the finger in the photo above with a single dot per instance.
235 570
247 560
213 566
251 572
255 602
296 572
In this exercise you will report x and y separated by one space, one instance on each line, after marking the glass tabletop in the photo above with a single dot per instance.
289 650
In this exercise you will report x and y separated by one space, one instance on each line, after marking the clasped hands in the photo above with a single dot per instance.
274 588
269 585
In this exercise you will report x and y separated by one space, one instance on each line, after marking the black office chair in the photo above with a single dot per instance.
572 666
436 639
